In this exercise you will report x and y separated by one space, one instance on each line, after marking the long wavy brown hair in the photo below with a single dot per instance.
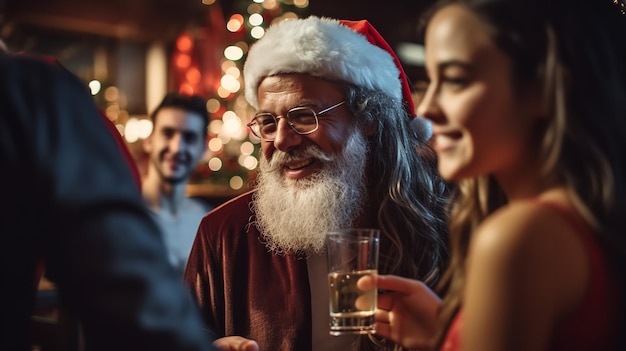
411 196
573 51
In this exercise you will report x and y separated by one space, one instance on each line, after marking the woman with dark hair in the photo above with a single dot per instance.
527 101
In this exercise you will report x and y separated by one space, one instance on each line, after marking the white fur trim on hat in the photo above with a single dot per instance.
321 47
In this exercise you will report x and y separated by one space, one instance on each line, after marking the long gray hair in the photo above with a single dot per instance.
411 196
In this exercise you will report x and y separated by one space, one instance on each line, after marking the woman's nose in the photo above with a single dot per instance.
428 107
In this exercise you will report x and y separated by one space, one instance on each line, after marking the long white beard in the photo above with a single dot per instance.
294 215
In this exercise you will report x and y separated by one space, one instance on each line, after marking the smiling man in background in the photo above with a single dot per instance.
177 143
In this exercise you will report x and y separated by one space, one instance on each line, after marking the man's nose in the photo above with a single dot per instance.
176 143
286 138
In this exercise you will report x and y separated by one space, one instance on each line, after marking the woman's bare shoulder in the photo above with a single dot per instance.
529 247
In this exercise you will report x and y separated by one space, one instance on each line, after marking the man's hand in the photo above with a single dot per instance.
235 343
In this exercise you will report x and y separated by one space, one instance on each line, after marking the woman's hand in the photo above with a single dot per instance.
235 343
407 310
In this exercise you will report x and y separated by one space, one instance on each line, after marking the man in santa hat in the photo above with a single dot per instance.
341 148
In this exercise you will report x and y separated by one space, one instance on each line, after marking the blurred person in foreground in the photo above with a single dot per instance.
175 146
71 200
337 151
527 101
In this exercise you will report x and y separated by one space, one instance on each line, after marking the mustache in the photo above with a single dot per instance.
280 158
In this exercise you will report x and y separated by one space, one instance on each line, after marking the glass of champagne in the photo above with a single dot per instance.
352 254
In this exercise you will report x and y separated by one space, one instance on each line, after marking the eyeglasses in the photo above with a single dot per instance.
303 120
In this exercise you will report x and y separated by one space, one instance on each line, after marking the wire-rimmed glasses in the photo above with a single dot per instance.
303 120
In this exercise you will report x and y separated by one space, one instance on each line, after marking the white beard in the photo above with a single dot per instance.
294 215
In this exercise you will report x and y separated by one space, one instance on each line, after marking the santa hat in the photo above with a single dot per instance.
349 51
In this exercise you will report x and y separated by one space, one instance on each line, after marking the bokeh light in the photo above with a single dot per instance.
215 164
255 19
233 52
235 23
236 182
257 32
95 86
213 105
215 145
184 43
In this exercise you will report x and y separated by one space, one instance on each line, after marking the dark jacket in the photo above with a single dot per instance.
69 199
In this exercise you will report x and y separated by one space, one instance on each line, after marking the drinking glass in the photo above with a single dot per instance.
352 254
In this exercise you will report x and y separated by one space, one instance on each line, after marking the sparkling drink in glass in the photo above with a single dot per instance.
352 254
